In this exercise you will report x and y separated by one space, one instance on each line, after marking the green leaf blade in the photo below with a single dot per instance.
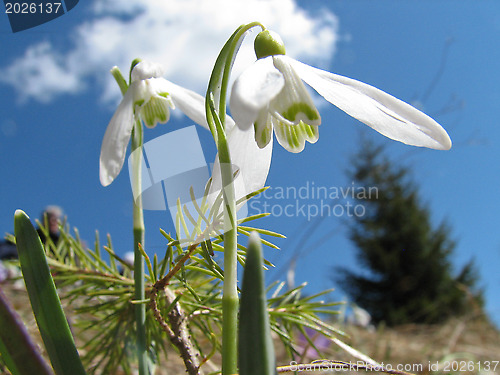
256 351
45 302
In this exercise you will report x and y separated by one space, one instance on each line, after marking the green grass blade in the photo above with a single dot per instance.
45 302
255 347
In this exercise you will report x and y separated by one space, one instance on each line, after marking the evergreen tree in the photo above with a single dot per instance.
411 277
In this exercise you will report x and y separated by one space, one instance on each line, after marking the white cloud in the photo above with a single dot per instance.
184 35
41 73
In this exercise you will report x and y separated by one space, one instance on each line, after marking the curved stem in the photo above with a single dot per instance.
219 79
216 99
233 49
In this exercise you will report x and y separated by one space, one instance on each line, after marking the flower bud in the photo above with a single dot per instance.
268 43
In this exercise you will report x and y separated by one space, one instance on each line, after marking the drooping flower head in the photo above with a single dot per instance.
271 95
149 99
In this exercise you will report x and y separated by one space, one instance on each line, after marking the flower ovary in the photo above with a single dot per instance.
268 43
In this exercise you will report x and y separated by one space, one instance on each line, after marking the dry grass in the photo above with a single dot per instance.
469 343
460 346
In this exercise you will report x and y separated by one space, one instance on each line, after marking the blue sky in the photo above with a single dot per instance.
57 98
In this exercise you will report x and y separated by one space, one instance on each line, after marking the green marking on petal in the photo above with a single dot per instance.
265 136
263 129
293 104
156 110
293 137
311 132
296 109
139 103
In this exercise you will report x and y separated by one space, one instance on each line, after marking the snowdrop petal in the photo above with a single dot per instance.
263 128
293 137
147 69
190 103
384 113
116 139
155 111
293 104
253 90
252 162
149 98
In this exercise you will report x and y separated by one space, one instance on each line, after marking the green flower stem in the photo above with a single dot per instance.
219 80
216 99
139 231
230 293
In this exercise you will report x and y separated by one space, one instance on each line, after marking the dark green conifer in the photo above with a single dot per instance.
410 278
